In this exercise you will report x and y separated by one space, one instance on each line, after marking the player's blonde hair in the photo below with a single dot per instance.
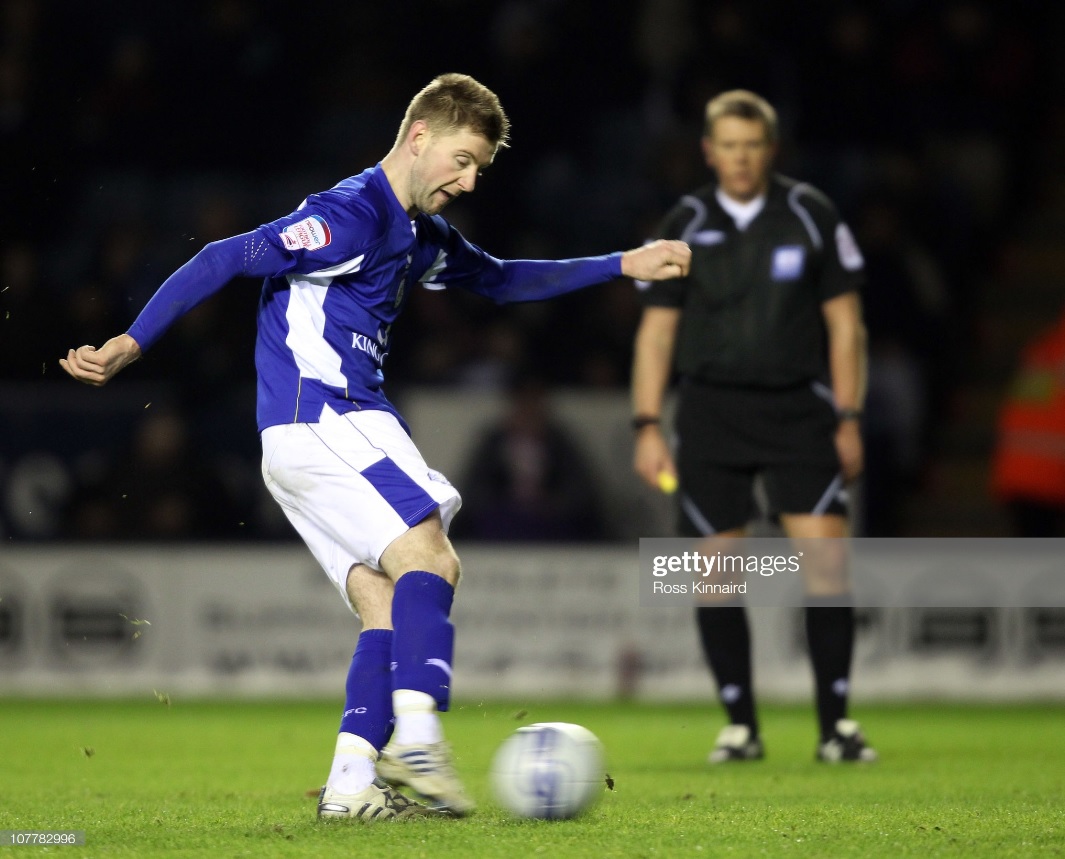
743 104
452 102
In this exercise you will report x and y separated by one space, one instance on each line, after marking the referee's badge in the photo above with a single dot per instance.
788 262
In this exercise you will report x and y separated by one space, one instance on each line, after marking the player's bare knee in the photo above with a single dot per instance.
444 564
370 593
424 547
453 572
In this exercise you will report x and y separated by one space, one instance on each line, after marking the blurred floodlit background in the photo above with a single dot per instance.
132 134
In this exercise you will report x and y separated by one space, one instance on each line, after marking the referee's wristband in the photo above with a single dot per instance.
641 421
849 415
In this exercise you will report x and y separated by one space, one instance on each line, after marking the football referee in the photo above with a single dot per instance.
765 336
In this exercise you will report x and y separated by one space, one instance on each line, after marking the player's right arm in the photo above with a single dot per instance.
96 366
198 279
651 369
301 241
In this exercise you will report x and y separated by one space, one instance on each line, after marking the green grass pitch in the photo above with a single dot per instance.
193 778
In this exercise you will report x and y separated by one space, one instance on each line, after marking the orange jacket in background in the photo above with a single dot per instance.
1029 457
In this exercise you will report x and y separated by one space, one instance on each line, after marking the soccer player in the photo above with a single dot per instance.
337 456
767 337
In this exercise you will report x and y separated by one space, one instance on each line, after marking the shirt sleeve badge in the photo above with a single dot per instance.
310 234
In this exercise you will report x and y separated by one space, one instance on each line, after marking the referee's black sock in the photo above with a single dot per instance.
830 636
726 643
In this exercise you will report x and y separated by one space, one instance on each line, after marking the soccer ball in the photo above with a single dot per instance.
550 770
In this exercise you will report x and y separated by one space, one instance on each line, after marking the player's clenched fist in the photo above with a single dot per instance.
659 260
96 366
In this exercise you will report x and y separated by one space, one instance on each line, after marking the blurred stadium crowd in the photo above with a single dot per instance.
132 134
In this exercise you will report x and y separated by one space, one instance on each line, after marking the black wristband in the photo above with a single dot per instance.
849 415
641 421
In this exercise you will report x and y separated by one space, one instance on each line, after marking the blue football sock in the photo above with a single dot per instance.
368 705
424 638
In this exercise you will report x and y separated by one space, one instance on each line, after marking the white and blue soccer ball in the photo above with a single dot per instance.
549 771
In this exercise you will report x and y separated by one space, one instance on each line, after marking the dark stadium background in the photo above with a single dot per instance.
132 134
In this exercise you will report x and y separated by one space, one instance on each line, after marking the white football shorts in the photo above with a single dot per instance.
350 485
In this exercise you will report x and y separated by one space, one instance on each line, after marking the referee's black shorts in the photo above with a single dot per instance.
727 436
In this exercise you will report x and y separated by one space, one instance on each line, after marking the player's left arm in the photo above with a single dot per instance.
848 367
532 280
464 265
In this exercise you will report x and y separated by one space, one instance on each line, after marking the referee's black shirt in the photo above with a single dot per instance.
751 305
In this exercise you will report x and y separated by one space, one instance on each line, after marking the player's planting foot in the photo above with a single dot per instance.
376 803
428 771
735 743
846 745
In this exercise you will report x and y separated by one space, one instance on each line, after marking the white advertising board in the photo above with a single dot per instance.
531 622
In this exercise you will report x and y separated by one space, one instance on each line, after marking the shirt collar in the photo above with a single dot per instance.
741 213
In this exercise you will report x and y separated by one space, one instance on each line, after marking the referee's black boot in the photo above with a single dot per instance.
846 745
736 743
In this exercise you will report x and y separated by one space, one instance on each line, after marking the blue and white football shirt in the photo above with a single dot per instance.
338 272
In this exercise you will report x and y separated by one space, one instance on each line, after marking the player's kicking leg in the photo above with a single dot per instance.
354 513
425 569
